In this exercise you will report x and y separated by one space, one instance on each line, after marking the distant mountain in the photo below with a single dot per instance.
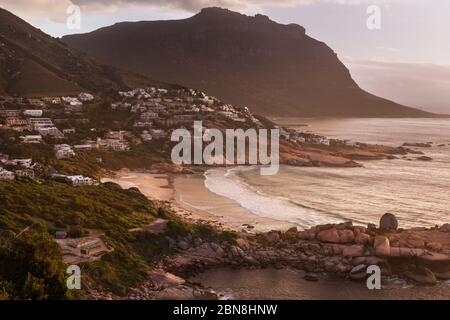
34 64
272 68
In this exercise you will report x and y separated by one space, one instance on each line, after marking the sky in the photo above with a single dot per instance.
406 58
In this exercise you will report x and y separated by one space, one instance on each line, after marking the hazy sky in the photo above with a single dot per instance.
407 60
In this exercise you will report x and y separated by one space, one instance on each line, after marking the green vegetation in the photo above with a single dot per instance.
31 268
50 206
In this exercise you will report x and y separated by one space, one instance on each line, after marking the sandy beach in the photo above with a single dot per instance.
191 200
154 186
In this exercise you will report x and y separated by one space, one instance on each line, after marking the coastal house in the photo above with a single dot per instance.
36 102
9 113
33 113
120 106
51 131
31 139
146 136
15 122
85 97
112 144
83 147
64 151
158 134
143 124
60 234
6 175
119 135
80 181
25 163
92 247
52 100
69 131
29 173
37 123
147 116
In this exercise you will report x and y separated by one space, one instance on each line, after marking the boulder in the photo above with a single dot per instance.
382 246
362 238
422 275
307 235
165 280
359 272
293 230
388 222
273 236
353 251
434 246
346 236
443 275
445 228
329 235
370 260
310 277
416 243
242 243
183 245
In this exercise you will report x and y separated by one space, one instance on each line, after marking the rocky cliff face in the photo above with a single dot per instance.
274 69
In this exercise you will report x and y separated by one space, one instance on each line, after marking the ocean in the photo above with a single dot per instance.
416 192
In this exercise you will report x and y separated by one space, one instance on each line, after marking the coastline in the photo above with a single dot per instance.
187 196
338 250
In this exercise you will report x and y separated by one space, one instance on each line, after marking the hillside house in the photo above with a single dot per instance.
51 131
31 139
33 113
80 181
36 103
6 175
9 113
64 151
37 123
29 173
15 122
25 163
85 97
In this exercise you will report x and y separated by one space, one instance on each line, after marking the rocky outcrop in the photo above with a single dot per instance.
421 255
388 222
343 249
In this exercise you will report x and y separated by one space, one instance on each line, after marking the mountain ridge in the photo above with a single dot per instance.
36 64
272 68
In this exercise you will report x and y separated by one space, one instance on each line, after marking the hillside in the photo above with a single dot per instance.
34 64
273 69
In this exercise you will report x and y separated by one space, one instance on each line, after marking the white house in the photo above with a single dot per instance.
146 136
33 113
158 134
85 96
50 131
64 151
31 139
26 163
80 181
6 175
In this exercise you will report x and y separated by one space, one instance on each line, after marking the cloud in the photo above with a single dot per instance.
56 9
419 85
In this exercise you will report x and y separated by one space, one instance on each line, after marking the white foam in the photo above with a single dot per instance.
226 184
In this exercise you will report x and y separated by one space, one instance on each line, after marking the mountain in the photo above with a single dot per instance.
272 68
33 63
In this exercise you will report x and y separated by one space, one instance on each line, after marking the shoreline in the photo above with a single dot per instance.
187 196
333 249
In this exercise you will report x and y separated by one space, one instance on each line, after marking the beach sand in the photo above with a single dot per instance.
188 197
153 186
192 195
